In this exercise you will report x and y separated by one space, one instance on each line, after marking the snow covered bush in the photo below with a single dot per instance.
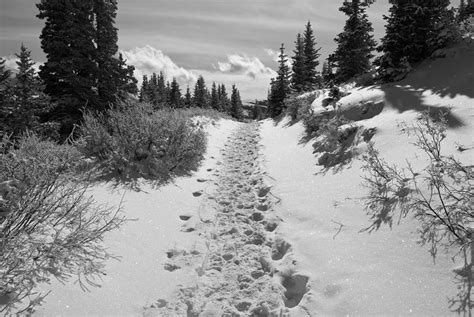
49 226
298 107
439 196
136 141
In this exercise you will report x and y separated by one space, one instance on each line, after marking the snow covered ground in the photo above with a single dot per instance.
311 249
139 278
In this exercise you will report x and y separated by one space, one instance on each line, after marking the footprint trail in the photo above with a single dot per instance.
246 269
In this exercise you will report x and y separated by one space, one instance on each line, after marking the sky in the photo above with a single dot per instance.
225 41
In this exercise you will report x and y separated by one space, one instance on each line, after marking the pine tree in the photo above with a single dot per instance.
188 99
106 38
125 81
214 97
355 44
299 66
312 79
224 102
327 74
25 100
161 89
4 73
200 97
82 70
175 94
236 110
70 71
143 96
279 87
153 93
412 33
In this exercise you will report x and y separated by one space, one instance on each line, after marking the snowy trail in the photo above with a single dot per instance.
246 269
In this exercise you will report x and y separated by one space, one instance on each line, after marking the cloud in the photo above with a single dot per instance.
148 60
273 54
244 65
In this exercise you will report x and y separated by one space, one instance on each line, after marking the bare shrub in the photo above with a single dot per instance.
49 226
439 196
136 141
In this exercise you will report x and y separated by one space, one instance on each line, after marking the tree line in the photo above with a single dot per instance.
164 94
413 31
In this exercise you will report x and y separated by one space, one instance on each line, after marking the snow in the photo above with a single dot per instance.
139 279
353 272
318 250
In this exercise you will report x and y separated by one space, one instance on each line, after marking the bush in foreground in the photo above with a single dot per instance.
136 141
439 196
49 226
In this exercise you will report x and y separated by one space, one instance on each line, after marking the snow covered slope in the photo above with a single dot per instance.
385 272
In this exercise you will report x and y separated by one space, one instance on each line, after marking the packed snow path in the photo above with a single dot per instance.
239 272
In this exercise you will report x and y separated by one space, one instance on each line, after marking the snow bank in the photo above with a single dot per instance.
353 272
350 272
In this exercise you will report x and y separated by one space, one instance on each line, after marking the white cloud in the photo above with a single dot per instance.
245 65
273 54
148 60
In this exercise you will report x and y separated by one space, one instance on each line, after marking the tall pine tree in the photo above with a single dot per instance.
236 109
200 97
280 86
299 66
355 44
82 69
414 30
224 102
188 99
214 97
175 94
25 101
312 78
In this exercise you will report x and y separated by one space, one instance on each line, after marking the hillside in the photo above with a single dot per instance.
259 229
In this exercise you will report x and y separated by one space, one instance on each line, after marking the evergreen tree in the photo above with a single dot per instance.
82 70
4 73
299 66
236 110
175 94
224 102
161 89
188 99
414 30
214 97
125 81
327 74
312 79
167 95
25 100
4 76
355 44
143 96
279 87
105 12
153 93
70 71
200 94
